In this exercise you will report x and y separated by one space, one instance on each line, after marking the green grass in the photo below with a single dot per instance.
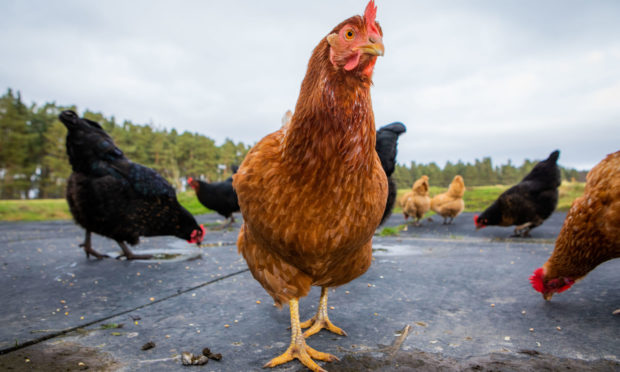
34 210
569 191
476 199
479 198
391 231
111 326
189 200
57 209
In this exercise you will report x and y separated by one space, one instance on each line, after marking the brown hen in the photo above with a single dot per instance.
450 203
590 234
313 193
416 202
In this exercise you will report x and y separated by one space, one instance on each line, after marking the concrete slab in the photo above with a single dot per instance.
52 287
463 227
464 294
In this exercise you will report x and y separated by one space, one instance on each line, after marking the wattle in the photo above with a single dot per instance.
353 61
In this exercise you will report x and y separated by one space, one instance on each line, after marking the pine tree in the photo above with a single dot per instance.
33 160
15 142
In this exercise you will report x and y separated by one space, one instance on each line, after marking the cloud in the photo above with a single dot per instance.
469 80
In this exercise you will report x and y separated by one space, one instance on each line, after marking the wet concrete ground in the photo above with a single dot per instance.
463 293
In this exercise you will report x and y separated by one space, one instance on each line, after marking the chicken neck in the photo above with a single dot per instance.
333 122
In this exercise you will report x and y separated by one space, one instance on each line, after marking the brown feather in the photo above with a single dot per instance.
313 193
591 231
416 202
450 203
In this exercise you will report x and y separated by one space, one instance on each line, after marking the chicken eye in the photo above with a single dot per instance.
349 35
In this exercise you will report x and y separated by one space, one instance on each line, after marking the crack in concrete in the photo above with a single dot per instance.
71 329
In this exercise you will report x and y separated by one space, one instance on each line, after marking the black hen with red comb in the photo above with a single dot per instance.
112 196
529 203
217 196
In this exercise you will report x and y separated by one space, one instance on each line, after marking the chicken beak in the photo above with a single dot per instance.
547 296
374 48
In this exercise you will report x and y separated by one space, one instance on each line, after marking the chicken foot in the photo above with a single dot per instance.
320 320
88 248
230 220
448 220
524 229
127 253
298 349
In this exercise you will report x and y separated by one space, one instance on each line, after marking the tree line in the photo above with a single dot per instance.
480 173
34 163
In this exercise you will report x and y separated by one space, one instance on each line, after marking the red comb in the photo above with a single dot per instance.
189 179
476 218
369 16
537 279
371 12
197 236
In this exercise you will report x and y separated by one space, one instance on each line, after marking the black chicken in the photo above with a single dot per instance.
528 203
112 196
217 196
387 140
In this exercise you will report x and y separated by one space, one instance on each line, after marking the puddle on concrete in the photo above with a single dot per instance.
522 240
217 244
169 255
395 250
180 245
219 227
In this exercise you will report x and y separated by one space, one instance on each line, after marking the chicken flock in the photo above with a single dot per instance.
313 193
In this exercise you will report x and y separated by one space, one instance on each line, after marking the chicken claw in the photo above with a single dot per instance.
523 230
298 349
128 254
320 320
88 248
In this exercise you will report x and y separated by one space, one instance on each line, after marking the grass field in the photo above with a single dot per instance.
57 209
189 200
34 210
476 199
479 198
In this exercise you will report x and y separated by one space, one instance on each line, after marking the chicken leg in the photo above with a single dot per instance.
229 221
320 320
88 248
298 349
127 253
524 229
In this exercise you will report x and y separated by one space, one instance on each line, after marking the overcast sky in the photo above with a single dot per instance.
506 79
